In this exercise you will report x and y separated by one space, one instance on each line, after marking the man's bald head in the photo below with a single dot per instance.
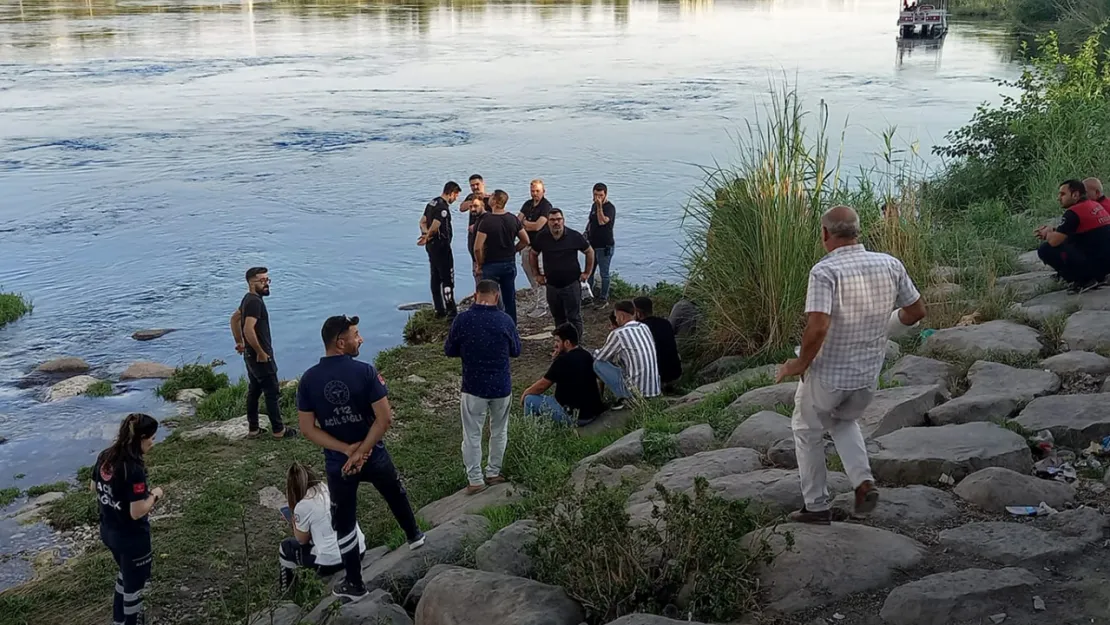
1094 188
841 222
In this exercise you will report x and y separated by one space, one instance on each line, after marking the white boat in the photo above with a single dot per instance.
923 21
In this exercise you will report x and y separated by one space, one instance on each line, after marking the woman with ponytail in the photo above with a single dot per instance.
314 544
125 501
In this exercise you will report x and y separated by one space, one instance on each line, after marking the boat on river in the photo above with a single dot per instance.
923 21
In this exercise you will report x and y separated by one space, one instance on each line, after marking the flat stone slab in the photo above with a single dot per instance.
994 488
998 337
919 371
1023 286
760 431
680 474
899 407
628 449
1031 261
411 306
1074 420
70 387
606 422
907 508
779 490
695 439
922 455
231 429
967 595
756 375
1062 302
1088 330
67 364
460 503
766 397
830 562
1073 362
997 392
146 370
1012 542
401 568
464 596
151 334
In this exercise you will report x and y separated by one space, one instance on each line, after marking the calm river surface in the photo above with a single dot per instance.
151 151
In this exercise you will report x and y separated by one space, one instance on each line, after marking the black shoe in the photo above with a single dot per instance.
349 591
1082 287
288 432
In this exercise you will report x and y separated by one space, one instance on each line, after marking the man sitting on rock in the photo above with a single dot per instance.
627 363
848 316
577 399
666 348
1079 247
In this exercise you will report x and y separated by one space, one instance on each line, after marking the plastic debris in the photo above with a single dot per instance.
1042 510
1038 604
946 479
925 334
997 618
1052 469
838 616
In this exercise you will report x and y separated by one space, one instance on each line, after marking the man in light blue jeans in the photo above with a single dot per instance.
599 233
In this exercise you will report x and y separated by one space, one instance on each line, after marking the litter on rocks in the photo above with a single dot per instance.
1051 468
1038 604
1042 510
946 479
997 618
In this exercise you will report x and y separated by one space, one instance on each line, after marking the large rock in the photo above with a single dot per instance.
1088 330
284 613
1031 261
722 368
994 488
778 490
1074 420
413 598
68 364
146 370
997 392
1025 285
1062 302
680 474
464 597
980 341
231 429
650 619
446 544
377 609
760 431
922 455
783 455
70 387
960 596
459 504
585 476
896 408
1008 542
918 371
507 551
907 508
695 439
830 562
1071 363
766 397
753 376
151 334
190 395
628 449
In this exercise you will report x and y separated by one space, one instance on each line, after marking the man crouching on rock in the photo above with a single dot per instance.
848 316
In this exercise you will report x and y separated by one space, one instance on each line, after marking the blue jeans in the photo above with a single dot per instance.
603 257
504 273
612 376
546 406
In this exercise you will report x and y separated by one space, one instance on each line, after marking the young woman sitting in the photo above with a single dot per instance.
313 544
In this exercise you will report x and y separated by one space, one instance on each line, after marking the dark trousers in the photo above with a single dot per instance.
262 380
442 264
379 471
133 555
1073 264
503 273
293 555
566 306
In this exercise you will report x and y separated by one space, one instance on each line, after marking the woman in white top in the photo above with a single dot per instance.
313 544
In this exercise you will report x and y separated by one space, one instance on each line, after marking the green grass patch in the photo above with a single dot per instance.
424 327
8 495
12 307
194 375
225 403
663 294
101 388
42 489
77 508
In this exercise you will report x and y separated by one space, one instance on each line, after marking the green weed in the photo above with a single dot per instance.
12 307
193 375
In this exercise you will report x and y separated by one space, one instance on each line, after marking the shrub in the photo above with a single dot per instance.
690 558
77 508
12 307
663 295
192 376
225 403
424 327
42 489
8 495
101 388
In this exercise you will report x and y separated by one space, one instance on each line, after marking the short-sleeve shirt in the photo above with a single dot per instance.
1087 225
534 210
116 488
253 306
312 515
560 256
501 230
439 209
339 391
858 289
598 235
576 384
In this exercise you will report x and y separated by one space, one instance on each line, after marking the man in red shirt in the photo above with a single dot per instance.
1079 247
1094 192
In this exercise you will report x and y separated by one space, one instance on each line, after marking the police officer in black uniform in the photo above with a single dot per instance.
435 236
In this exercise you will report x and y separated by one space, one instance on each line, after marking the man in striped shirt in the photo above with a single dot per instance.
627 363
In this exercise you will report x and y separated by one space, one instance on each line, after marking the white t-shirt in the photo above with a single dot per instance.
313 516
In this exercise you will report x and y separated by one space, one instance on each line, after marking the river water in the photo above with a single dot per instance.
151 151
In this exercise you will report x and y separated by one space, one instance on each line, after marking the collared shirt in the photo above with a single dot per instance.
485 338
632 348
858 289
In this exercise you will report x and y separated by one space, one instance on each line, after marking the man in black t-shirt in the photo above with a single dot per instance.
500 237
250 325
476 204
533 214
599 232
562 276
577 399
435 236
666 347
1079 247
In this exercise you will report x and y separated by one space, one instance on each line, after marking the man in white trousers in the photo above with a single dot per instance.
855 300
485 338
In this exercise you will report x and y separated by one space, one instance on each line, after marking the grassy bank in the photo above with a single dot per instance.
12 307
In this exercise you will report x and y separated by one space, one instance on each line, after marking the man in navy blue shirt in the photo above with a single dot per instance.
485 338
342 407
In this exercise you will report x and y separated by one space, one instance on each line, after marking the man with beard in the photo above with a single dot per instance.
250 325
562 276
342 406
1079 247
435 236
577 399
477 205
533 215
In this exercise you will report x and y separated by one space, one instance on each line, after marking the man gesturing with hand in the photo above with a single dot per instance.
342 406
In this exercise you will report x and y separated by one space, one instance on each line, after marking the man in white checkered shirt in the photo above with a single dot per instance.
852 293
628 363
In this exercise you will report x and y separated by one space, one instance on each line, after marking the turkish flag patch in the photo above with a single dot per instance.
381 379
139 488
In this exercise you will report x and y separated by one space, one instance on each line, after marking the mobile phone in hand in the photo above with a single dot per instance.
287 514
